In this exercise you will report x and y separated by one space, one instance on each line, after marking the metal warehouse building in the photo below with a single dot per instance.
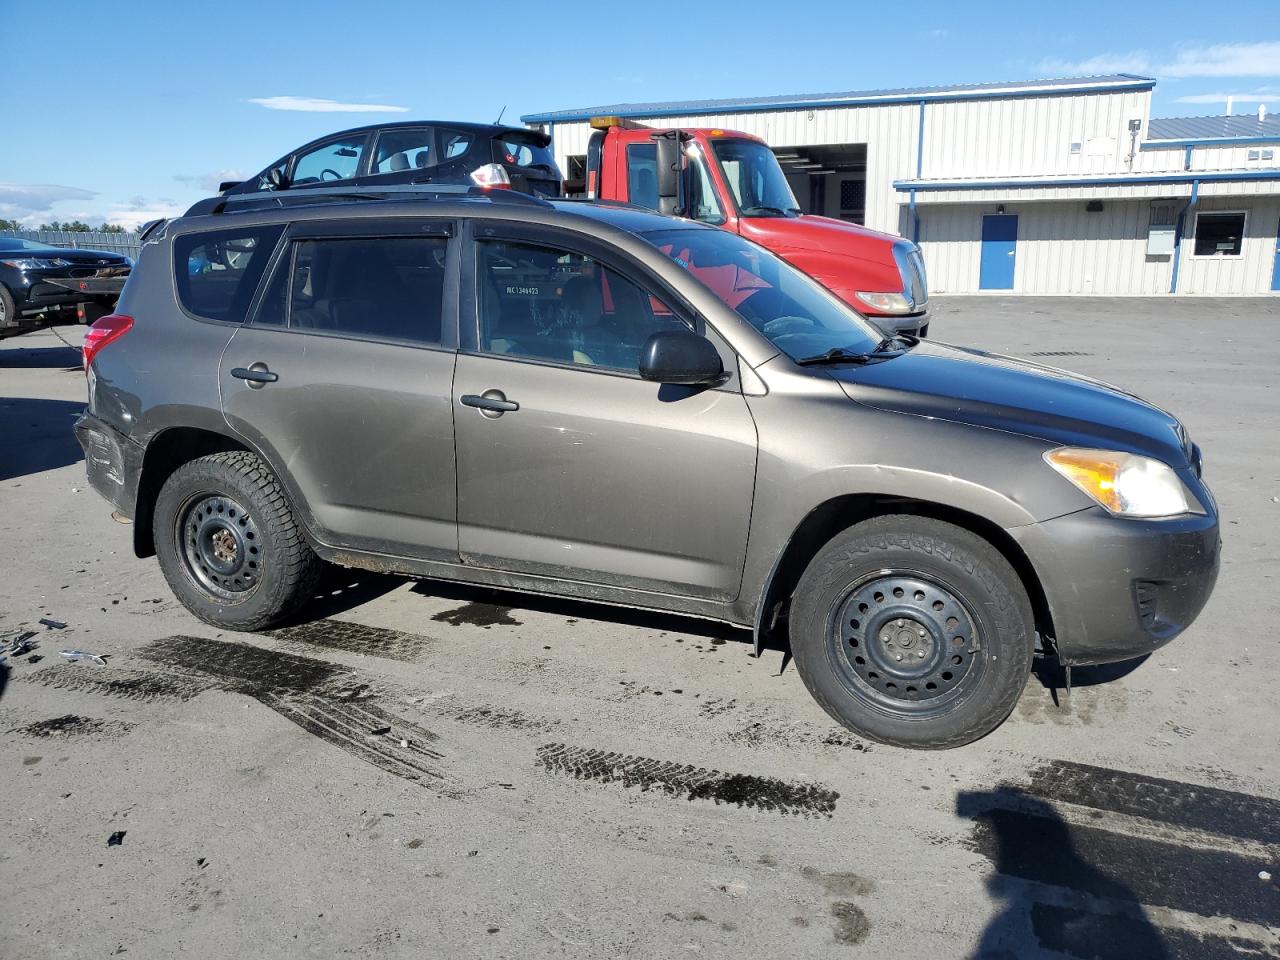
1046 187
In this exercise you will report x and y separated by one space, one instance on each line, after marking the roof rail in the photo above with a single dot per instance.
237 203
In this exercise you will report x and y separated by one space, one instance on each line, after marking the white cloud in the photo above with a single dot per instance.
1135 61
320 105
1237 97
1215 60
209 181
33 201
1226 60
138 211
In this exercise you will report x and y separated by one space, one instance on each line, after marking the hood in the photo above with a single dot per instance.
988 390
79 257
843 257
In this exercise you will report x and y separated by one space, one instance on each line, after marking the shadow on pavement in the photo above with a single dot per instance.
34 358
485 600
36 435
341 590
1037 868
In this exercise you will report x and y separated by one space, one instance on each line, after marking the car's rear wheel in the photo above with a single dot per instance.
229 545
913 632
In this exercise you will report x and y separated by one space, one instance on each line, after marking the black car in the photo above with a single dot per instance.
416 152
40 282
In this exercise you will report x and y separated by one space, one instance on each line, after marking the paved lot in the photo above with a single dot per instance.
566 780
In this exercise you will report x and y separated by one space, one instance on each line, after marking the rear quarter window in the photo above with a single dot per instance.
217 272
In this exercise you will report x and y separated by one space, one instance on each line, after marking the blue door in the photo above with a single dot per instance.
1275 271
999 249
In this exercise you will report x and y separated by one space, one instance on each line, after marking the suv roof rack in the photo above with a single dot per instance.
402 191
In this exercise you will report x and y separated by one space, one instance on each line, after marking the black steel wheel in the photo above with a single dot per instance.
219 542
913 632
229 544
906 641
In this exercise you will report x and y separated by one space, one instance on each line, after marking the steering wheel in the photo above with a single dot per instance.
780 325
333 174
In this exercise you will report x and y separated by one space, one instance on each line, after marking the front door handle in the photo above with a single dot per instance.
491 403
257 374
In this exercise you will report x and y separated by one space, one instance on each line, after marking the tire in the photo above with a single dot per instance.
8 309
935 634
229 545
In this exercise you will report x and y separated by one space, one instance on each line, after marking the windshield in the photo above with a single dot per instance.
13 243
758 183
795 312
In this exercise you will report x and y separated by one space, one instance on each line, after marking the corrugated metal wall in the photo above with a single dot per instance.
1063 249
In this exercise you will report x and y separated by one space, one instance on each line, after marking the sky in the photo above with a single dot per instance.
128 111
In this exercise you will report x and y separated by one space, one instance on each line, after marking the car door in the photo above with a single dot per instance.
570 465
343 381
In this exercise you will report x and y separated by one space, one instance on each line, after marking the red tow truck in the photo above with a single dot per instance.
733 180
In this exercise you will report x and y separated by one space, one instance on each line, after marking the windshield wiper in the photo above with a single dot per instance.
885 348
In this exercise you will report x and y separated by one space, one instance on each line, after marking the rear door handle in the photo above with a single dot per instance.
492 403
257 374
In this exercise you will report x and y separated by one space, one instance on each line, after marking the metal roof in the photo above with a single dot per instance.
962 91
1214 128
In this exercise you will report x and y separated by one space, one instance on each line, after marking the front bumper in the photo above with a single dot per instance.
914 324
112 462
1120 588
51 292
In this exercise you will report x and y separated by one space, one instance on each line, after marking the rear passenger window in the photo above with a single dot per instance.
218 272
382 288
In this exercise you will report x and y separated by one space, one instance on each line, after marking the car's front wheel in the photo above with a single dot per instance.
229 545
913 632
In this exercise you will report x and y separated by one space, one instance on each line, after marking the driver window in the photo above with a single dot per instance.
336 160
551 304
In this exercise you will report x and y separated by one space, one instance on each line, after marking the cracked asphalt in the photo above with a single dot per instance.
426 770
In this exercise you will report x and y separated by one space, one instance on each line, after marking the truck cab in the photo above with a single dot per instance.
733 180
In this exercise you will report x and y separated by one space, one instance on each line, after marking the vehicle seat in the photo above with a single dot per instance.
399 162
421 160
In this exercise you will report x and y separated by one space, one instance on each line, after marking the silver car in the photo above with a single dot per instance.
592 401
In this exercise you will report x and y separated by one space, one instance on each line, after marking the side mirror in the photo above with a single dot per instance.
679 356
277 179
670 172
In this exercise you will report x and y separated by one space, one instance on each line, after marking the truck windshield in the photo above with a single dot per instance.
795 312
758 183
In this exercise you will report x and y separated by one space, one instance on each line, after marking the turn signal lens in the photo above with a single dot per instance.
1125 484
885 302
103 331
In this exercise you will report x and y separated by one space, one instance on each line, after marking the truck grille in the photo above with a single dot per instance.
911 266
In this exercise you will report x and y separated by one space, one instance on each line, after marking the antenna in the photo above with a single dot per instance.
500 113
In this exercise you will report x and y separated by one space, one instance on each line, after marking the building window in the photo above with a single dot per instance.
1219 234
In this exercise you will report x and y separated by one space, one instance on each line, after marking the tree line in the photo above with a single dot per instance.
71 226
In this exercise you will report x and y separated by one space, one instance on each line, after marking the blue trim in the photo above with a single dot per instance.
1177 236
915 220
920 144
708 107
1271 173
1204 142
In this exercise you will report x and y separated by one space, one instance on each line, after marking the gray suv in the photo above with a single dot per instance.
593 401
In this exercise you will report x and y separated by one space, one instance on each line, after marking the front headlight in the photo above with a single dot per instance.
886 302
1125 484
36 263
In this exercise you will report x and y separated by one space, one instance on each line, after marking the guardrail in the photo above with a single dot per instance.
126 243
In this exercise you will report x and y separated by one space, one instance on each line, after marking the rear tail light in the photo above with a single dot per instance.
492 176
104 330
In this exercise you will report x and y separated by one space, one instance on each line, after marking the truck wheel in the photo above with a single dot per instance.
8 310
912 632
229 545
